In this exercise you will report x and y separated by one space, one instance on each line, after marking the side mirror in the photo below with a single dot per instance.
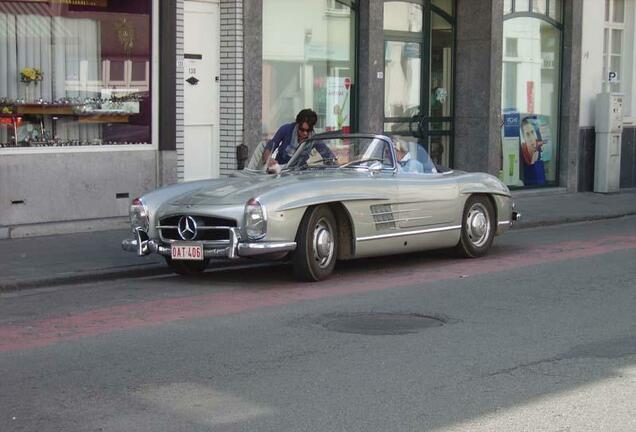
376 167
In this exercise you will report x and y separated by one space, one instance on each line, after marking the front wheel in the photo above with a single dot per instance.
478 227
316 245
187 267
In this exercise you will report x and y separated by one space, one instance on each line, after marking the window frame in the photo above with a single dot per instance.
609 27
628 68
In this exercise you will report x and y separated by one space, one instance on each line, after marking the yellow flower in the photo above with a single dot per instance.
29 74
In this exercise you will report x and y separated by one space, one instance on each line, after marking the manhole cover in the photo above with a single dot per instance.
382 323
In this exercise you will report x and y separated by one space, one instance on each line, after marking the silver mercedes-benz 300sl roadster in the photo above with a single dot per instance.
340 196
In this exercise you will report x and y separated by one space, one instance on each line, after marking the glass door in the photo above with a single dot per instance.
418 74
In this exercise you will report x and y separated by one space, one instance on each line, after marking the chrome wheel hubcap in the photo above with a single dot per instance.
478 225
322 243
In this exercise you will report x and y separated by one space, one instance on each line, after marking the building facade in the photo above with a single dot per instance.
138 94
608 63
78 111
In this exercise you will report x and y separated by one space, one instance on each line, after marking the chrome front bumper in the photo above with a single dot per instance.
142 245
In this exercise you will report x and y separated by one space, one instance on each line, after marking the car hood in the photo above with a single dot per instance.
240 187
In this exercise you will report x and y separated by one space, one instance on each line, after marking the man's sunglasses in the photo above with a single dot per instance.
302 129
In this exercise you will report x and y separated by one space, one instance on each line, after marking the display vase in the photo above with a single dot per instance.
29 92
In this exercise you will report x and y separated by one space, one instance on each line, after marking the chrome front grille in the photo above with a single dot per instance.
208 228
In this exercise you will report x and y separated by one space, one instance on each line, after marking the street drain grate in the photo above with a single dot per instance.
380 323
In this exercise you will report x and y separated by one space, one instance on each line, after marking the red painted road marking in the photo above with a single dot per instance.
49 331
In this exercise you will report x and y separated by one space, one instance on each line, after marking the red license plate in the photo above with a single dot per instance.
187 251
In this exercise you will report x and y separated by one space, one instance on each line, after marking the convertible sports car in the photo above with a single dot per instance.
341 196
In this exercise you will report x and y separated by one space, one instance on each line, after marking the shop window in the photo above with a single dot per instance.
74 73
309 65
530 94
613 70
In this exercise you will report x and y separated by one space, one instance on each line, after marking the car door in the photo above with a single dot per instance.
428 200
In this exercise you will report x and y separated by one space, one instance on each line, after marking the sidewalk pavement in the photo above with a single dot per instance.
91 256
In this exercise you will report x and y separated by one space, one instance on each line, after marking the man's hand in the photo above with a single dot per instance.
274 167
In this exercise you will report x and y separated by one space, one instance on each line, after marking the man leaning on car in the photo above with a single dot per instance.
288 137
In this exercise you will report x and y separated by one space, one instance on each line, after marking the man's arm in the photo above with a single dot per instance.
324 151
266 154
269 148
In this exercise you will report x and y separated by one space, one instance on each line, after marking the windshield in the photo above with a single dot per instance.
412 156
342 152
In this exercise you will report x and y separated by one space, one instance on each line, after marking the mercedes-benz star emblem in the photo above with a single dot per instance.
187 228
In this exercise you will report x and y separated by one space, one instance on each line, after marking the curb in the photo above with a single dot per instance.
120 273
83 277
568 220
158 269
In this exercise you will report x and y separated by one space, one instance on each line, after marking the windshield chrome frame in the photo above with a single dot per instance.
340 135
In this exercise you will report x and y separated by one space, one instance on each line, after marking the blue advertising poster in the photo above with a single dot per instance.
512 122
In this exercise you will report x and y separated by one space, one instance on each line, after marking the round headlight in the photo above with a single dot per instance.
255 220
138 215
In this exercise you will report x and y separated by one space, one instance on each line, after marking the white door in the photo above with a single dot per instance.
201 90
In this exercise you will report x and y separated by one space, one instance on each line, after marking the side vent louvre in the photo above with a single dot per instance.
383 216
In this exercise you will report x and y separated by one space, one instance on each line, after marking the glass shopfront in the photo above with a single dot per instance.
530 92
308 62
418 73
75 73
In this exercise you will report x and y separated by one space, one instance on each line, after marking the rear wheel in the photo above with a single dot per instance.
186 267
316 245
478 227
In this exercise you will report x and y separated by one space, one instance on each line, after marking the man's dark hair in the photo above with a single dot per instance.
308 116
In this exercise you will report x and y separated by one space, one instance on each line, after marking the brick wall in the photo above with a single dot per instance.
231 85
179 102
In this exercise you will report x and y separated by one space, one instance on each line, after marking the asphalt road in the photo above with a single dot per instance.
539 335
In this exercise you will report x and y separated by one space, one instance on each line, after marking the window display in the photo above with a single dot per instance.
530 96
74 73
